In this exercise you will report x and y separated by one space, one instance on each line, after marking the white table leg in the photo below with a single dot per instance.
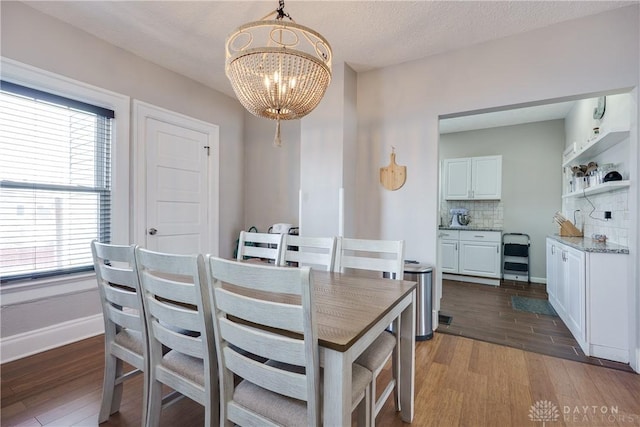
408 359
337 389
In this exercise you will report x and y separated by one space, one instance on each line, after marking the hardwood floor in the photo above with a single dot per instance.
459 382
485 313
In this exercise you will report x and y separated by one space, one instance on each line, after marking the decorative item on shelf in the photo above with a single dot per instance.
600 238
278 70
612 176
566 227
393 177
598 112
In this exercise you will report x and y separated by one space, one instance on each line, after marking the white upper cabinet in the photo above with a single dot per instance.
473 178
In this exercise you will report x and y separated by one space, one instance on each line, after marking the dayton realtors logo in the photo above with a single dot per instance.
544 411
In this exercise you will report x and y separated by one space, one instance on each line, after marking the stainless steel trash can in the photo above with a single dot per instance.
422 274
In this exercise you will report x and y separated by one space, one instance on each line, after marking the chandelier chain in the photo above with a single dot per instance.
281 12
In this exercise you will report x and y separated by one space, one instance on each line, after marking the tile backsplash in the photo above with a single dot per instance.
484 213
591 213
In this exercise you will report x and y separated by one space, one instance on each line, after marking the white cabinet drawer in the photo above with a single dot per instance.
449 234
481 236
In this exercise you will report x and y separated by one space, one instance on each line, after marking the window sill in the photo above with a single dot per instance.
34 290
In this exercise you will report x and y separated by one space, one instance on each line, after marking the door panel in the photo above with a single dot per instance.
449 256
480 258
176 188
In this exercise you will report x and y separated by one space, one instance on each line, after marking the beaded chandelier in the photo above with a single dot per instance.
278 69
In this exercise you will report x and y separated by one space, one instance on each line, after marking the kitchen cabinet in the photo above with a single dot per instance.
480 253
448 249
574 278
588 290
473 178
471 253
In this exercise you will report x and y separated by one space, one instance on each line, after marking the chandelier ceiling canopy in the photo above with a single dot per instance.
278 69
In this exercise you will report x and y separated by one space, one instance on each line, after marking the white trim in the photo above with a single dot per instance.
610 353
523 278
36 78
472 279
32 342
35 290
143 111
341 212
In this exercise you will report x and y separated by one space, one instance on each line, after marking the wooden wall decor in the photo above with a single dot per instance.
393 176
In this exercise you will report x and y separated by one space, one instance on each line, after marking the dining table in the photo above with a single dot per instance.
351 312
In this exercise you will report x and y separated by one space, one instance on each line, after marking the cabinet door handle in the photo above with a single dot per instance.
497 249
482 237
456 247
553 250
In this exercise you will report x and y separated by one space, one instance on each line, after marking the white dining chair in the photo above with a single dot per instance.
315 252
177 308
278 323
382 256
125 331
266 246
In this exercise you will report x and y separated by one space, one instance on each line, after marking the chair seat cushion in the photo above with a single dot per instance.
375 355
280 409
189 367
131 340
285 410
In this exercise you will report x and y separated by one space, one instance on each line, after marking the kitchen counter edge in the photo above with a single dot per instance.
470 228
587 244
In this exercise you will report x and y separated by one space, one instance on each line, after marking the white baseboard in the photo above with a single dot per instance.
21 345
488 281
472 279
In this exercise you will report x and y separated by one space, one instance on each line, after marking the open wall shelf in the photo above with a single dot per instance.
600 144
600 188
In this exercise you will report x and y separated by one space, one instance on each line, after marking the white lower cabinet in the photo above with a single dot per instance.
468 252
588 290
449 244
480 253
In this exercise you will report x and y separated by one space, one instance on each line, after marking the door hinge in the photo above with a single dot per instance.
208 149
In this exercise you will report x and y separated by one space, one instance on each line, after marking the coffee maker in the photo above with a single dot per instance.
459 217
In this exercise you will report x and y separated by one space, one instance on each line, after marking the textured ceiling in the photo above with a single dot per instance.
188 36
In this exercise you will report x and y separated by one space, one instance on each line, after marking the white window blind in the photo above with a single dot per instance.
55 186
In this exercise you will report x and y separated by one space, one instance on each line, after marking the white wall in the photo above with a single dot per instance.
271 174
400 106
321 161
62 49
531 177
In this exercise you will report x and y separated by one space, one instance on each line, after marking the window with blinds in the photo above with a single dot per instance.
55 187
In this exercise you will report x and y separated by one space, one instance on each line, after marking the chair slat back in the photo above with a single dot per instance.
177 303
260 245
371 255
116 274
316 252
267 311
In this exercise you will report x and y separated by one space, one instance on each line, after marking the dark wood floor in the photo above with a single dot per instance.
485 313
458 382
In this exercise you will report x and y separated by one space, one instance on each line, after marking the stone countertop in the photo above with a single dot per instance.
586 244
470 228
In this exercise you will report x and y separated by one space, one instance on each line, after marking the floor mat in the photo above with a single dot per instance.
533 305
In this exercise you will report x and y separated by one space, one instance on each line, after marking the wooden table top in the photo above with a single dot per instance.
347 305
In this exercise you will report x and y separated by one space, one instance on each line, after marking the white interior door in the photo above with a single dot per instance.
177 182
